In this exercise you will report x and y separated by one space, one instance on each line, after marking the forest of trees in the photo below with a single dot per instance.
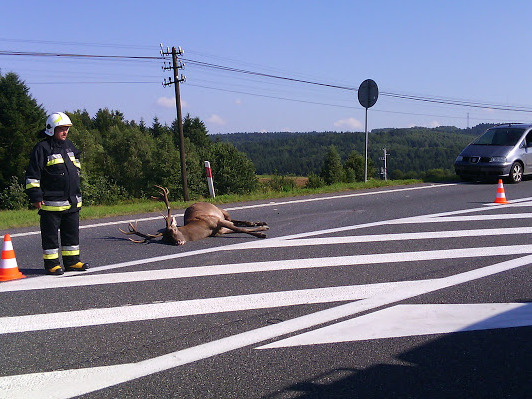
124 159
412 151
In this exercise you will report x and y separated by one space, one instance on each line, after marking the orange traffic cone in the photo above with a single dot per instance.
8 263
501 197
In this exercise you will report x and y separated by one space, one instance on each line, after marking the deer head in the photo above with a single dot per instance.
170 235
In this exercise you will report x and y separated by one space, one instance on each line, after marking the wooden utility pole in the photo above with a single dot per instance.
175 80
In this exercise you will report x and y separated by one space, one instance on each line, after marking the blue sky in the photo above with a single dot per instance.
448 51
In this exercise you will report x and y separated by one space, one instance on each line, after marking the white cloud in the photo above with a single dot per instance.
166 102
169 102
435 124
238 101
349 123
216 120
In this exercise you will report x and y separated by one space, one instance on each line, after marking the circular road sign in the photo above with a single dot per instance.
368 92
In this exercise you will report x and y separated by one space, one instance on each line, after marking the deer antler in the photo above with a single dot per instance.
164 197
132 229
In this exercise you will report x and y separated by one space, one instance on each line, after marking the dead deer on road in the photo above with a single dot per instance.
202 220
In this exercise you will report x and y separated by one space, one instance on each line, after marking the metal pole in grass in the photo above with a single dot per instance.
368 92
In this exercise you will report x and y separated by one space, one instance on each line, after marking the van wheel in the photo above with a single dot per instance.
516 172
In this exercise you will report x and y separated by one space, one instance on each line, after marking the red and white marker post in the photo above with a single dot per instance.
208 173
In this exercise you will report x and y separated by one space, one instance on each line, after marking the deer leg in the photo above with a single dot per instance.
226 226
243 223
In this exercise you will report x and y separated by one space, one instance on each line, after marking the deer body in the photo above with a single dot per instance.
201 220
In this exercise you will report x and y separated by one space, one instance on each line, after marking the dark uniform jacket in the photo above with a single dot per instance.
53 175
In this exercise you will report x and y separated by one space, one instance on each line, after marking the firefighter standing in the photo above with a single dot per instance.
53 185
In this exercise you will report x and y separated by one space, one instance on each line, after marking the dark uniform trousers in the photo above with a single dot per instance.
67 222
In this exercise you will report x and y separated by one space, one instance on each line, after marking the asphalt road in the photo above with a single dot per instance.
421 291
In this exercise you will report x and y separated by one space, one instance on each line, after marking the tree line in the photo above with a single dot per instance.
120 159
412 151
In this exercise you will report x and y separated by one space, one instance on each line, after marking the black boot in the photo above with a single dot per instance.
79 266
53 267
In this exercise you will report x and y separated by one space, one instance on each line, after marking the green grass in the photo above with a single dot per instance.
27 218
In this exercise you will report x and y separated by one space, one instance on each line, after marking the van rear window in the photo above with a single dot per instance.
506 136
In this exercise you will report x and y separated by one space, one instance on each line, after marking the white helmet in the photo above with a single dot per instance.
56 119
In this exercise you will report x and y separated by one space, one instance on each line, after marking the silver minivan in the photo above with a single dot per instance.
503 151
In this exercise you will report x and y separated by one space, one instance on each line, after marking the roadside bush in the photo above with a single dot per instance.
282 183
13 196
350 175
232 171
436 175
100 191
397 174
332 170
354 167
315 181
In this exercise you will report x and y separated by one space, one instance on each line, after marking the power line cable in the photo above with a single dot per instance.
87 56
437 100
331 105
427 99
77 44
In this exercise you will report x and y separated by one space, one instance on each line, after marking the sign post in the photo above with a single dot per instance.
368 92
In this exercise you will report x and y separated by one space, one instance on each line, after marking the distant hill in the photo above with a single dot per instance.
412 150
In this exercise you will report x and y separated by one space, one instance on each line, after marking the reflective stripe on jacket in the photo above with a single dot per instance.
53 175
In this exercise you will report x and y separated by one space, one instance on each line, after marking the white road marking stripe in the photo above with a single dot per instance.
410 320
122 314
76 382
400 236
475 218
436 218
80 279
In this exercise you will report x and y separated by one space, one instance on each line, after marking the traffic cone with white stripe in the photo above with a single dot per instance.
501 197
8 263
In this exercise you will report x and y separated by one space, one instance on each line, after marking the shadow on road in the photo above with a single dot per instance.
474 364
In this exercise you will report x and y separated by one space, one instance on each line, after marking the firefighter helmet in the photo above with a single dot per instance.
56 119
